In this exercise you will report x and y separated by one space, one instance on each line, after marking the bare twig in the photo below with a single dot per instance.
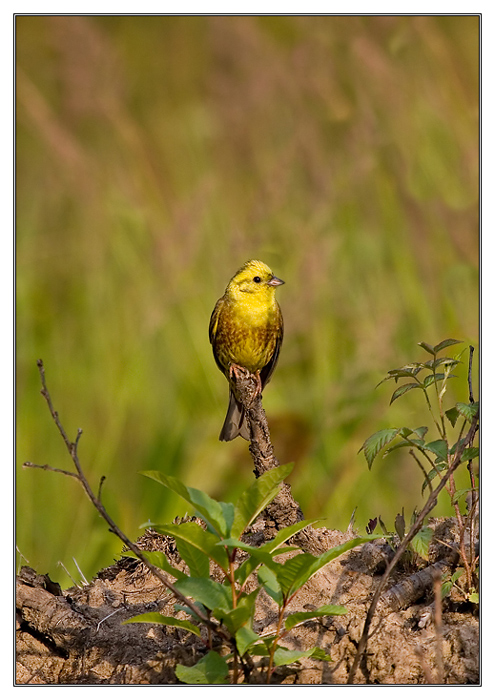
47 468
80 476
426 669
428 507
470 371
473 510
437 587
100 487
427 478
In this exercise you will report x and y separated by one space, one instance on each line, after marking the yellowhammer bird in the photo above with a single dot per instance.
246 330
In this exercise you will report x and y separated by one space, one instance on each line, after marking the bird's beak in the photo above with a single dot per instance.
275 281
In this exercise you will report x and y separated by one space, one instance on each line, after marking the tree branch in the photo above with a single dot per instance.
283 510
80 476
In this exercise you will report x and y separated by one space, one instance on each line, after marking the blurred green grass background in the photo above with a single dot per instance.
154 156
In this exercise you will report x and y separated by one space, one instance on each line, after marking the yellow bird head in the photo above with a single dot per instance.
254 277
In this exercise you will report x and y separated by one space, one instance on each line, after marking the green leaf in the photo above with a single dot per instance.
243 613
212 511
405 443
193 534
421 432
432 474
257 497
159 619
439 448
295 572
427 347
262 648
400 525
283 656
446 588
474 598
249 565
449 362
268 580
258 554
212 669
228 514
406 433
420 543
159 559
403 389
324 611
459 494
410 371
470 453
468 410
377 442
210 593
320 654
445 344
196 560
431 378
452 414
187 609
244 638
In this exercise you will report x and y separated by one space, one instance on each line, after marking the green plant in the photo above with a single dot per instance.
418 547
231 601
442 455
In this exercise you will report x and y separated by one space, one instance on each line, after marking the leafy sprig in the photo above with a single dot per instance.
228 601
435 456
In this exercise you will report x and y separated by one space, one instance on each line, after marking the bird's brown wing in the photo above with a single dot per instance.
267 370
215 316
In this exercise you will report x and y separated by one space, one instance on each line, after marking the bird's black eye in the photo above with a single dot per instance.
257 279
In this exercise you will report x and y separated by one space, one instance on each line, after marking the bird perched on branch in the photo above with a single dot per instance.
246 331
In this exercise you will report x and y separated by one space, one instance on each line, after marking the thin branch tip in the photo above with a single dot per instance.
470 370
95 500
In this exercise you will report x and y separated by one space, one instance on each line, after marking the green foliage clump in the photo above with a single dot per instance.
226 604
439 458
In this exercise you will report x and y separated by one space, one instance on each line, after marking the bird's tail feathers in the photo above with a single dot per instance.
235 421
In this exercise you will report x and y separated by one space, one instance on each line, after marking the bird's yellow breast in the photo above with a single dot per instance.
247 333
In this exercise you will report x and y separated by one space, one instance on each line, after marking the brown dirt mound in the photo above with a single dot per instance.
77 636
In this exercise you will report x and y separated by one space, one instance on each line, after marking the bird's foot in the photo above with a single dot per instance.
237 371
240 372
259 386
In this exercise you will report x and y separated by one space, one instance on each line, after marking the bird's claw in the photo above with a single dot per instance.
238 372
